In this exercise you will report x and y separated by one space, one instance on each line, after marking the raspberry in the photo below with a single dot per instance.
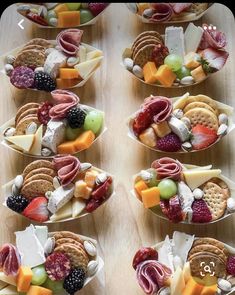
231 265
201 212
57 266
169 143
96 8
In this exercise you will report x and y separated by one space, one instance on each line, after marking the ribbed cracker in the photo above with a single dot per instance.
36 188
144 55
67 235
210 241
77 255
25 107
31 58
145 41
39 41
203 117
147 34
62 241
39 176
215 198
23 124
27 113
33 46
198 104
37 164
37 171
208 248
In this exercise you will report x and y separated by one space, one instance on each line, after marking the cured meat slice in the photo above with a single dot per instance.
9 259
22 77
212 38
162 12
167 168
69 41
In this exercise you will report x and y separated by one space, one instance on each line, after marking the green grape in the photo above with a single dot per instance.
85 16
55 286
168 188
72 134
73 6
93 121
174 62
39 275
153 181
183 72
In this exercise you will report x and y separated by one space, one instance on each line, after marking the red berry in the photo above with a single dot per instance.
201 212
172 209
169 143
43 112
96 8
143 254
159 53
37 210
36 18
202 137
231 265
57 266
142 121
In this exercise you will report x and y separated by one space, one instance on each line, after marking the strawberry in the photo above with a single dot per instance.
142 121
213 60
202 137
96 8
37 210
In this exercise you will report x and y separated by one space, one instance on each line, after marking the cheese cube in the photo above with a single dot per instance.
151 197
161 129
149 71
198 74
165 75
148 137
66 73
67 19
24 278
38 290
139 187
191 60
192 287
82 190
90 178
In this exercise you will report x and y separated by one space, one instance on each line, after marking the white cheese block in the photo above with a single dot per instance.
60 197
54 135
78 205
29 247
182 243
63 213
195 178
54 61
174 40
9 290
7 279
177 282
82 53
192 38
165 254
93 54
37 144
87 67
23 142
41 232
185 195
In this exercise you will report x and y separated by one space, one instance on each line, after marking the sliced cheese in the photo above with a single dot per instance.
93 54
174 40
177 282
86 68
63 213
78 205
7 279
37 144
186 271
165 254
23 142
182 244
195 178
82 53
192 38
9 290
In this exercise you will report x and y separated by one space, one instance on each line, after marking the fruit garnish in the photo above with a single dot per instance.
57 266
202 137
93 121
172 209
159 53
142 121
55 286
213 60
201 212
143 254
37 210
43 112
76 117
96 8
39 275
43 81
169 143
231 265
182 72
168 188
17 203
75 280
174 62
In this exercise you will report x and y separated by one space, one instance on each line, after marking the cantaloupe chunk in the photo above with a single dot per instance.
67 148
192 287
66 83
151 197
161 129
67 73
149 71
82 190
139 187
90 178
60 8
198 74
24 278
37 290
209 290
165 75
67 19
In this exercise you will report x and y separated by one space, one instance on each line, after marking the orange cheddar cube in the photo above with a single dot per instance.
151 197
191 60
192 287
140 186
37 290
149 71
209 290
66 83
24 278
84 140
67 19
67 148
60 8
198 74
161 129
165 75
67 73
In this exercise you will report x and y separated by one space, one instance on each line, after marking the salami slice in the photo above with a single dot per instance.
22 77
167 168
9 259
212 38
162 12
69 41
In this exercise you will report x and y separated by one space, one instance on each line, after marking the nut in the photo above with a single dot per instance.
46 152
133 7
23 9
85 166
178 113
164 291
224 285
90 248
53 21
56 182
8 69
222 130
92 268
198 193
137 70
187 122
49 246
223 119
231 204
19 181
15 191
10 59
39 69
72 61
101 178
188 80
148 13
128 63
10 131
186 146
48 194
31 128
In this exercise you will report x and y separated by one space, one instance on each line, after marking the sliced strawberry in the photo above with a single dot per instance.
142 121
214 58
202 137
36 18
37 210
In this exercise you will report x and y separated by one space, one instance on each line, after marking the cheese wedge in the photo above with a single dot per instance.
63 213
23 142
195 178
9 290
37 144
177 282
82 53
93 54
7 279
192 38
87 67
78 205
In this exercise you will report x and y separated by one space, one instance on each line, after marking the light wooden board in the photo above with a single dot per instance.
122 225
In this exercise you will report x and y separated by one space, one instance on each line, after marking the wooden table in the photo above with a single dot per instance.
122 225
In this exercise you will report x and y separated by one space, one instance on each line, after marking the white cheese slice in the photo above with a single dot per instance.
54 61
9 290
63 213
41 232
23 142
54 135
195 178
29 247
182 243
93 54
60 197
82 53
192 38
185 195
78 205
7 279
177 282
87 67
165 254
37 144
174 40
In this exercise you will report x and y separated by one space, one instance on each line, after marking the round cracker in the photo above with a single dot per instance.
202 98
61 241
203 117
149 41
27 113
198 104
47 171
36 47
67 235
37 164
211 241
25 107
208 248
23 124
31 58
144 55
36 188
39 176
148 34
222 184
39 41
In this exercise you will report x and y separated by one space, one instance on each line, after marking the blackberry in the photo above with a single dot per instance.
43 81
17 203
74 281
76 117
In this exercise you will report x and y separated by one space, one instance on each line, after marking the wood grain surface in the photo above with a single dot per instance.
122 225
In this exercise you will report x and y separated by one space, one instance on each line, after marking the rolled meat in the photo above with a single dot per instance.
9 259
212 38
167 168
69 41
162 12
